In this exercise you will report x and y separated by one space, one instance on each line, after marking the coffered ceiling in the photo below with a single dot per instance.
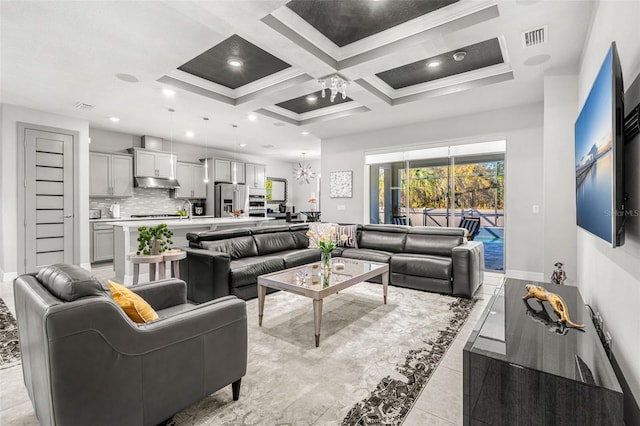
404 61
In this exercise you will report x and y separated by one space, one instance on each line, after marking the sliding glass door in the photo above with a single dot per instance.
442 192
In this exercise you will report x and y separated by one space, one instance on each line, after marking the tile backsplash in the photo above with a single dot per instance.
144 201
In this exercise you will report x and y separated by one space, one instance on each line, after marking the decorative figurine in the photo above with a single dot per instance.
542 317
558 276
554 300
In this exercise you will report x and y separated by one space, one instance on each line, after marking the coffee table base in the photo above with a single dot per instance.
317 302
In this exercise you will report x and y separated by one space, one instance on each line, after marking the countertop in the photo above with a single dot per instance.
185 223
128 219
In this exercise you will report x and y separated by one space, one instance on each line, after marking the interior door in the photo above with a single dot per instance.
49 205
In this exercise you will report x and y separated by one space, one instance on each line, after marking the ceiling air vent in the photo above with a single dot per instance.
80 105
535 36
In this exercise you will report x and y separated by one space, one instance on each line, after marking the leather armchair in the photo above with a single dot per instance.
85 362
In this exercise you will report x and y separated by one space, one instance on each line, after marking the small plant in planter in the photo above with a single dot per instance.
154 239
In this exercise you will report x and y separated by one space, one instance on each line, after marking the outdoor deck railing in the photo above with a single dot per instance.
441 217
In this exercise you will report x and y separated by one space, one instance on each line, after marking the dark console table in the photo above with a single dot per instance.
522 367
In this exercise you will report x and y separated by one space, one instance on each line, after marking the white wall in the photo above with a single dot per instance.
609 279
522 128
559 206
9 222
302 191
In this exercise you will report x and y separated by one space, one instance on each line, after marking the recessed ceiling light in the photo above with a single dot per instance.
234 62
168 92
304 133
252 117
312 98
459 55
114 119
434 64
242 145
127 78
189 134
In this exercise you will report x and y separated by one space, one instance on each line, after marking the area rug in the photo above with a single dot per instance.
372 363
9 346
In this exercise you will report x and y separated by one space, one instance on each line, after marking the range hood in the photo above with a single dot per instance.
156 182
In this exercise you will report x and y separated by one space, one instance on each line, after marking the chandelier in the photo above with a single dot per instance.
335 84
304 173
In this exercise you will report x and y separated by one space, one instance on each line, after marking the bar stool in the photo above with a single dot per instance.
174 256
151 259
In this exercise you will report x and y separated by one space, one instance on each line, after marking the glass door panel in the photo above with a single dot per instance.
429 187
479 193
441 192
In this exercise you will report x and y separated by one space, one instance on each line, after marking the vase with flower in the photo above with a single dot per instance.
313 203
326 243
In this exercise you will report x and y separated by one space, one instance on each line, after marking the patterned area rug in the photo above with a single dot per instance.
372 363
9 346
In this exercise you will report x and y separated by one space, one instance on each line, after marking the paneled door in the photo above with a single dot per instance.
49 198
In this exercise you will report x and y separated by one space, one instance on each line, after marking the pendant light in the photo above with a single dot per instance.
172 172
234 172
304 173
206 160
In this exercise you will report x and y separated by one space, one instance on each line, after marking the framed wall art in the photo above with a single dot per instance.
341 184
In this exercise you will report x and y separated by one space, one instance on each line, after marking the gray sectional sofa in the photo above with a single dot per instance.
434 259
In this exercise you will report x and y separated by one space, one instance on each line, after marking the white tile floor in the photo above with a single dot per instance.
439 404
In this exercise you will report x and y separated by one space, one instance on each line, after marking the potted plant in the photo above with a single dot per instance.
154 239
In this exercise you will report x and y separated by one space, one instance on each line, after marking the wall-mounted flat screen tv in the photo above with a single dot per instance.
599 155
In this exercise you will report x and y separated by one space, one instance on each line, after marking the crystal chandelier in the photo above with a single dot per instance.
336 84
303 173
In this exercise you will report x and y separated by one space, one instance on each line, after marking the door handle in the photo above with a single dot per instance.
67 216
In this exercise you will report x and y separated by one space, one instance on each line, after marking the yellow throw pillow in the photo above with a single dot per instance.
133 305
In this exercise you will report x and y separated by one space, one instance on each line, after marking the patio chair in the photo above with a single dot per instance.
471 224
401 220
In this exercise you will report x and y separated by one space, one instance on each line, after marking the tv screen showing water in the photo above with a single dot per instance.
594 156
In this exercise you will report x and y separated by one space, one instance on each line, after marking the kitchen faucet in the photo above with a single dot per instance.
189 209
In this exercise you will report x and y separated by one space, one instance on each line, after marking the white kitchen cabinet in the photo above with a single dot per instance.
255 176
199 186
154 164
110 175
164 163
224 171
191 179
101 242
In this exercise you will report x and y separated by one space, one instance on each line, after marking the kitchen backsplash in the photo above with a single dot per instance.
144 201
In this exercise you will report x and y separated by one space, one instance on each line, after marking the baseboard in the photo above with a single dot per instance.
525 275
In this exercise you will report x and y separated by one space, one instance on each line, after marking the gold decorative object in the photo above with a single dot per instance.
556 302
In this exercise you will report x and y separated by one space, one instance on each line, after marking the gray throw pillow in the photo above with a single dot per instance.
351 232
70 282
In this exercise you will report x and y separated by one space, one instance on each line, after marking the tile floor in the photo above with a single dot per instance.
439 404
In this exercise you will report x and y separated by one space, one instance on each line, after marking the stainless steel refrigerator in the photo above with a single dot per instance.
230 197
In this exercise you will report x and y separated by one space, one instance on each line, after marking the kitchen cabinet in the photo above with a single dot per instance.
224 171
101 242
110 175
191 179
154 164
255 176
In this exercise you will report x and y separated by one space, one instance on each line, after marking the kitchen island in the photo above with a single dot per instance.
125 237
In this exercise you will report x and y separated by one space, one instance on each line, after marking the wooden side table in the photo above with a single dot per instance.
174 256
151 259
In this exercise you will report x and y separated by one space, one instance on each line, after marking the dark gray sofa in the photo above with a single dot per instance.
434 259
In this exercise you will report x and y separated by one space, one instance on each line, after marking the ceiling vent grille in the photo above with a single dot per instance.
80 105
535 36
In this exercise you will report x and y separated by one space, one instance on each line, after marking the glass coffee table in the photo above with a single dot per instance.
310 281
